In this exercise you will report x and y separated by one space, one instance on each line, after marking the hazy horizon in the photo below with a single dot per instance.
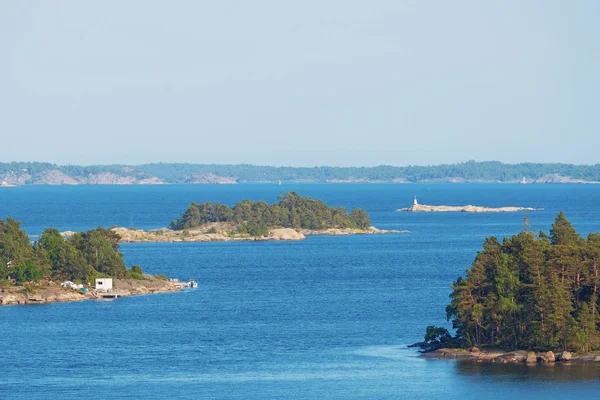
340 83
298 166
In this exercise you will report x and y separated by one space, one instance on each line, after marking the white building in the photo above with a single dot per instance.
104 284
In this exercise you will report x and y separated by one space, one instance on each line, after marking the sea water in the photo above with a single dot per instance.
325 318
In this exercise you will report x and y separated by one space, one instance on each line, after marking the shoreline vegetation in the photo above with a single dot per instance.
30 272
524 299
36 173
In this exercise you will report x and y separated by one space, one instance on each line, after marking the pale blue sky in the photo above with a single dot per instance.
299 83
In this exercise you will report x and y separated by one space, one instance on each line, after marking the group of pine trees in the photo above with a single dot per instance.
292 211
531 291
80 257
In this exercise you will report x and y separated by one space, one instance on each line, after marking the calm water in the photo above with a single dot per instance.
327 318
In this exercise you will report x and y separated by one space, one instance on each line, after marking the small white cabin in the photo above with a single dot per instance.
104 284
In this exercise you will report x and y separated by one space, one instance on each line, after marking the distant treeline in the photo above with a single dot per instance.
180 172
292 211
529 291
82 257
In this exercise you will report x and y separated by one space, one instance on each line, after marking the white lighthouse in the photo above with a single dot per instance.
415 201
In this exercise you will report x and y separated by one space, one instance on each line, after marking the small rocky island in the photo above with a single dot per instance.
293 218
531 298
57 269
225 232
416 207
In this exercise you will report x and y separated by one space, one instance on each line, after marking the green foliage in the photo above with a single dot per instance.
292 211
531 291
212 230
79 258
137 269
136 273
162 277
253 230
100 249
437 335
27 271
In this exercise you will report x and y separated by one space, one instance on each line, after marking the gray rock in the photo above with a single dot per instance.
565 356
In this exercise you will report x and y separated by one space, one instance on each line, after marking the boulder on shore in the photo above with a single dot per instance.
565 356
285 234
549 356
531 358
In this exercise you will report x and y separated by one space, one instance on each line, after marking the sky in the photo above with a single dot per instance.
303 83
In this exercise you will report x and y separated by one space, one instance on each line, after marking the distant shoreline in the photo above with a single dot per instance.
35 173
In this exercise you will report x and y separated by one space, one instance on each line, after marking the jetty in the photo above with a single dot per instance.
416 207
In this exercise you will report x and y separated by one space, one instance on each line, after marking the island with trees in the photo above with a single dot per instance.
292 218
526 298
32 272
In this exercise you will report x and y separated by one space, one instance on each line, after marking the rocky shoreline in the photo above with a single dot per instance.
53 292
225 232
468 208
493 356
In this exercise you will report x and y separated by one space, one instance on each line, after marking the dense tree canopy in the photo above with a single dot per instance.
531 291
78 258
292 211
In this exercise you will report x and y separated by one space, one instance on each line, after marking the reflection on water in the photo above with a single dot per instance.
538 372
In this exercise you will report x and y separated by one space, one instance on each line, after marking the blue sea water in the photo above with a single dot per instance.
325 318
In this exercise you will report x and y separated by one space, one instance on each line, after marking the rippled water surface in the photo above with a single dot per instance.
326 318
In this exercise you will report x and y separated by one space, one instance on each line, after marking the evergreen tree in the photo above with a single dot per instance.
531 291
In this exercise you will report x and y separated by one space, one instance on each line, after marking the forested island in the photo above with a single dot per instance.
30 271
533 292
36 173
292 211
293 218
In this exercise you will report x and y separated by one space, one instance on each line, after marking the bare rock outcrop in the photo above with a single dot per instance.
53 177
150 181
107 178
565 356
349 231
285 234
208 178
467 208
556 178
51 292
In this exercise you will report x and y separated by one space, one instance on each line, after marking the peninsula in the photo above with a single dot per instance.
416 207
524 299
55 269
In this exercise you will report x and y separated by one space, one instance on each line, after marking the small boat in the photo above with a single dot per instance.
192 284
